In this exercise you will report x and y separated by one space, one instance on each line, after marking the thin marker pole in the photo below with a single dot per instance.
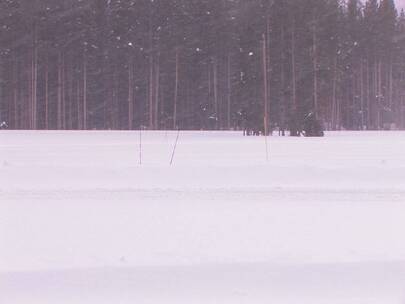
175 145
265 138
140 145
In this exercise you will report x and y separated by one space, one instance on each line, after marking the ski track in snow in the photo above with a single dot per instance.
82 222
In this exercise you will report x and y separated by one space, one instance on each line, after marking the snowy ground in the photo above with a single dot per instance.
323 221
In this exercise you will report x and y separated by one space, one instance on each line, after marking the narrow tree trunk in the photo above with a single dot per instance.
334 99
229 92
84 92
268 48
209 83
375 95
157 89
216 107
265 86
79 122
15 92
176 90
354 106
339 113
60 92
151 69
131 93
47 93
294 106
151 92
315 68
31 92
282 85
70 94
368 89
391 90
265 94
402 110
63 93
34 77
380 96
362 93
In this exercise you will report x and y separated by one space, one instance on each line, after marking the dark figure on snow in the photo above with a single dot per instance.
295 125
3 125
252 121
247 121
312 127
243 120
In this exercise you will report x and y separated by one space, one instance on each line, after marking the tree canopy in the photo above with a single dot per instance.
196 64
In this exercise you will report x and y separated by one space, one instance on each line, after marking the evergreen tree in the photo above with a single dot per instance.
111 64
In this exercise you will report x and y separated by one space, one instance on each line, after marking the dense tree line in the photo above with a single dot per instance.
201 64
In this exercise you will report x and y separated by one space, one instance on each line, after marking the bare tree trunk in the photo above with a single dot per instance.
157 89
362 93
63 93
265 94
391 89
47 93
131 93
162 121
315 67
339 113
15 92
151 70
34 77
84 92
268 47
209 83
31 92
114 101
293 71
334 99
216 107
375 106
353 114
265 86
368 89
229 92
60 93
380 96
79 122
151 91
71 92
176 90
282 86
402 100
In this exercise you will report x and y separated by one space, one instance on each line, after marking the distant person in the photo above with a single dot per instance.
312 126
244 121
3 125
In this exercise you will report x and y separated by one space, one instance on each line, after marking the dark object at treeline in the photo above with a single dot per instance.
312 127
253 125
309 127
3 125
252 121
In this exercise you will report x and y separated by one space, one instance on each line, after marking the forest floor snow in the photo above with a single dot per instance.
81 221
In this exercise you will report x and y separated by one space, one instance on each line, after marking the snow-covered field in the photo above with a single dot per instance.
323 221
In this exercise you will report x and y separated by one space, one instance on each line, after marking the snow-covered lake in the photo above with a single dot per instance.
81 221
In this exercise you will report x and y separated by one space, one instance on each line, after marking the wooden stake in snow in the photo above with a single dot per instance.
265 138
140 145
175 146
